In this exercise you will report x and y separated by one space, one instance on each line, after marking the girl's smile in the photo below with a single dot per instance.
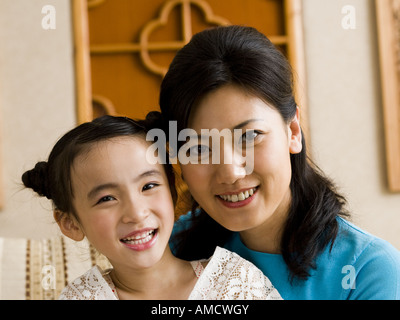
140 240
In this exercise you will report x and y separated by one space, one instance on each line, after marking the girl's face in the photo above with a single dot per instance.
236 200
123 203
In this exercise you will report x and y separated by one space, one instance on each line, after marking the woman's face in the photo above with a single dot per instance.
123 203
236 200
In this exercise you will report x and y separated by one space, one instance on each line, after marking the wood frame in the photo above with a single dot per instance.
296 52
1 169
388 23
294 41
84 111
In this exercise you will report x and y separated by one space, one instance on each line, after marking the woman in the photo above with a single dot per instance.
285 216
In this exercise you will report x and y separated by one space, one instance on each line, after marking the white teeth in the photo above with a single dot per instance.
139 238
238 197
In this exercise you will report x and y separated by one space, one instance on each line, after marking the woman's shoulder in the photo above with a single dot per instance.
372 263
361 242
92 285
184 222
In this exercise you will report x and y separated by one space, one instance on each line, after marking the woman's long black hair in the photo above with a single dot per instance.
245 57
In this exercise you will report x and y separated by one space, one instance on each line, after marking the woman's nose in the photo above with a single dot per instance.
231 167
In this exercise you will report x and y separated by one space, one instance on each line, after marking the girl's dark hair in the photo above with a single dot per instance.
52 178
244 57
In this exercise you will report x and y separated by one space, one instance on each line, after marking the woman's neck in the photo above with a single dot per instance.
170 278
267 236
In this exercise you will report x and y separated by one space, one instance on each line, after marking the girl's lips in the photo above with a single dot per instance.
140 240
137 233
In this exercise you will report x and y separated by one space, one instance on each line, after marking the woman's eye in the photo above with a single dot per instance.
249 136
149 186
198 150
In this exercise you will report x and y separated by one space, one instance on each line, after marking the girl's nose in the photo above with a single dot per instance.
134 211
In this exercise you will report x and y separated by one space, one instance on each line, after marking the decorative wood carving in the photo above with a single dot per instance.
94 3
144 47
292 41
102 106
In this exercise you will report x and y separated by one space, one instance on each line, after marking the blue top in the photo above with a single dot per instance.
359 266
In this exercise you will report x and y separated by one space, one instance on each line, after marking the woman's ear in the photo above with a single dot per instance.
68 225
295 145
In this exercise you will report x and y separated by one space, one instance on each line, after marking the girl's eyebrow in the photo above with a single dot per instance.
153 172
92 193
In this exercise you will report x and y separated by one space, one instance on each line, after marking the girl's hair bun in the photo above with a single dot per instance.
37 179
154 120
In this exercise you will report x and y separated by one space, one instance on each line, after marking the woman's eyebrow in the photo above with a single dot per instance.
238 126
245 123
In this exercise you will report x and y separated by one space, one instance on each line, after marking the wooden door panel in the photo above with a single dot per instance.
133 42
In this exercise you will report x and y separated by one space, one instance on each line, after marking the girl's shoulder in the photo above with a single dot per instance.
92 285
227 276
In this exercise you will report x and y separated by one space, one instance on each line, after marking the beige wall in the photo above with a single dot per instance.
346 112
36 105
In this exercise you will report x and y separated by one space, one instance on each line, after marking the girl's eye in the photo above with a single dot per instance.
105 199
149 186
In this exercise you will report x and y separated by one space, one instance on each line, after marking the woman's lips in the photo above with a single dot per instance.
238 199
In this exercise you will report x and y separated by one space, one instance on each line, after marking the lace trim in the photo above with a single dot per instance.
230 277
92 285
227 276
197 268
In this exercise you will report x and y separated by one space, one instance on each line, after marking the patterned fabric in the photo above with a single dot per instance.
226 277
92 285
40 269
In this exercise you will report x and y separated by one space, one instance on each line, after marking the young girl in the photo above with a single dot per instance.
103 188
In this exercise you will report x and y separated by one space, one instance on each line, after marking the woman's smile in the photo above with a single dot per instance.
238 199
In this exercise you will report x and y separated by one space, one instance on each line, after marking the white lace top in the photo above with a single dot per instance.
227 276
